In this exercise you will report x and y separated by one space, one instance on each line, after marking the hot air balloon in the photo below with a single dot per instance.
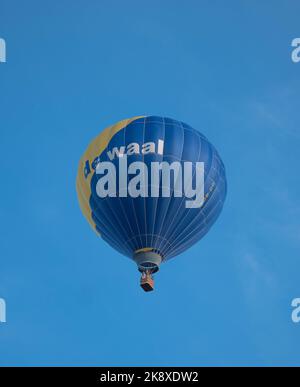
151 187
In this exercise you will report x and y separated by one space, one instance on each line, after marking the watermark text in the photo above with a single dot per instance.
296 51
118 177
2 51
296 310
2 311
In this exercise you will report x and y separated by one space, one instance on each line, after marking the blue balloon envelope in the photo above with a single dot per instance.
151 187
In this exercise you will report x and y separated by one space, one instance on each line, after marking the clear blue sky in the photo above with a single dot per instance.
75 67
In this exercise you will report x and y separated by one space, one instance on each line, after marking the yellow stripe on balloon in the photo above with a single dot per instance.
96 147
144 250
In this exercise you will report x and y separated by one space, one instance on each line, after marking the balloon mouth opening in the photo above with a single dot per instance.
147 259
